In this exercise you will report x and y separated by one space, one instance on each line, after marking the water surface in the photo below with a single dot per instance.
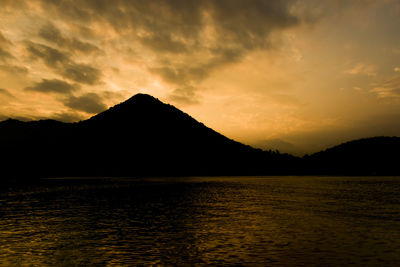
281 221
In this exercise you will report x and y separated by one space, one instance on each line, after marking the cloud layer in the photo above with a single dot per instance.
178 42
186 39
52 86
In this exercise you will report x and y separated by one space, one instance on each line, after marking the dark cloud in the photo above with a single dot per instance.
89 103
83 30
81 73
63 65
4 41
186 73
5 55
13 69
53 86
13 3
187 76
219 32
51 34
5 92
4 44
164 43
53 58
247 24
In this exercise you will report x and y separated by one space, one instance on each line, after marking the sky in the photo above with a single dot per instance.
293 75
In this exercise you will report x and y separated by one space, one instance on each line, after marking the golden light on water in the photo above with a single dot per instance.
286 221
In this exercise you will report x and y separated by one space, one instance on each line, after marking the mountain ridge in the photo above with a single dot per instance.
143 136
139 137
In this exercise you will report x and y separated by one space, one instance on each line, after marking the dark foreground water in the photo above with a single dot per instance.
288 221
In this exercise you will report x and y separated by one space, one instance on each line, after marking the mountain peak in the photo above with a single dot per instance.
141 96
139 102
137 105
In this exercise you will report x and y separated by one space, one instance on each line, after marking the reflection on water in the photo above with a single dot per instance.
252 221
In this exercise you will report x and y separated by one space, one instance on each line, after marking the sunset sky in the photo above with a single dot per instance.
294 75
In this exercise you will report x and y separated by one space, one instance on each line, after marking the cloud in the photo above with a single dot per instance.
388 89
13 69
81 73
63 65
363 69
89 103
52 34
4 43
13 3
5 55
180 75
184 96
185 40
3 40
163 43
5 98
6 93
53 86
53 58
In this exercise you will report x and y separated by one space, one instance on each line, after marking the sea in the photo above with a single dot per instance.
195 221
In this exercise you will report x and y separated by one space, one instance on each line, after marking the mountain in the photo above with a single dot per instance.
145 137
368 156
139 137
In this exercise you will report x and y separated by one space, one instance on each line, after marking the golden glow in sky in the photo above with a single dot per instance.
293 75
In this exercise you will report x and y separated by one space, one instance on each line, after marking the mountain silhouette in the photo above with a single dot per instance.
145 137
139 137
368 156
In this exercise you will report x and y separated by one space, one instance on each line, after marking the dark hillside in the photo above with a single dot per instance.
369 156
139 137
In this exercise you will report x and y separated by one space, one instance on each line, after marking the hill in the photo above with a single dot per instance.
369 156
139 137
